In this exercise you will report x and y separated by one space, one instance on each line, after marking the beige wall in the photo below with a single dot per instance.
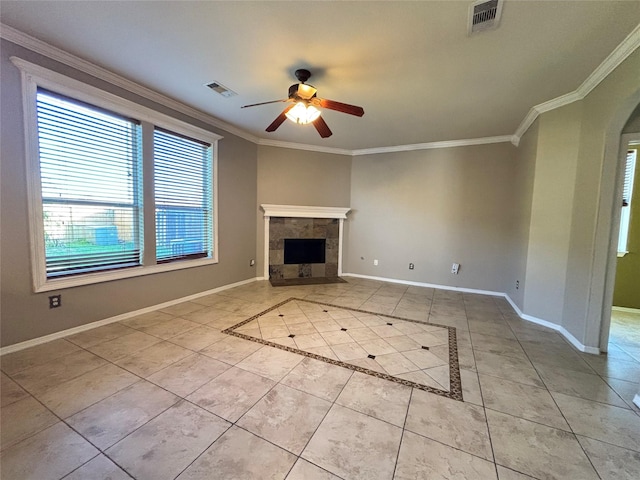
297 177
433 208
551 207
25 315
523 188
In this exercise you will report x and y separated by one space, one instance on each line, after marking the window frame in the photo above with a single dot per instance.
34 76
625 210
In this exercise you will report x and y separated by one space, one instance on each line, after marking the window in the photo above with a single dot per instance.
103 170
90 178
182 178
627 192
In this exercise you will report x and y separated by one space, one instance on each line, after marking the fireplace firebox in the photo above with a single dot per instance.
304 250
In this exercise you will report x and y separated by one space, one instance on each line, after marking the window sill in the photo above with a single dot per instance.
100 277
622 254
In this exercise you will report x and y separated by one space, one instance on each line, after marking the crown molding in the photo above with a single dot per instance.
615 58
54 53
303 146
434 145
621 52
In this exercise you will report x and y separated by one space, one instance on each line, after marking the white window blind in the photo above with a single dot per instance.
183 196
90 177
627 191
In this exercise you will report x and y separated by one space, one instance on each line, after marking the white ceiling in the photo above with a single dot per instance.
410 64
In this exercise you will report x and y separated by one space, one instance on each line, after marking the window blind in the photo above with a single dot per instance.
90 178
628 178
183 196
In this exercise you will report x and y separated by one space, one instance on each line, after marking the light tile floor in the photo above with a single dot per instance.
168 395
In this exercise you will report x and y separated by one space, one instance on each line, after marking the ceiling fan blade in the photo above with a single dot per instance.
341 107
279 120
322 127
264 103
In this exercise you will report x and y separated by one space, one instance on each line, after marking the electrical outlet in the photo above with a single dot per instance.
411 266
375 262
55 301
455 268
517 284
252 262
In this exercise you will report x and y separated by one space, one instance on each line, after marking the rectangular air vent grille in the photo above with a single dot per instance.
221 89
484 15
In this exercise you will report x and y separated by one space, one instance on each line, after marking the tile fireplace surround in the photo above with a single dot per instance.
294 221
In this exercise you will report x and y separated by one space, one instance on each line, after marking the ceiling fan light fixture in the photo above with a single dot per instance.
303 114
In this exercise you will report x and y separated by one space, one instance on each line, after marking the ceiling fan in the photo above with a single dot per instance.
304 106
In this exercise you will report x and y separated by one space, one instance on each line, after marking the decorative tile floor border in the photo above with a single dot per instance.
455 385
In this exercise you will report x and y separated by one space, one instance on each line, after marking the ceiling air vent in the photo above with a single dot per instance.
221 89
484 15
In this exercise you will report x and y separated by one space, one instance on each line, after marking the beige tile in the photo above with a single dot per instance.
325 352
232 393
497 329
198 338
146 319
578 384
98 468
311 340
187 375
508 368
39 379
626 390
318 378
396 363
48 455
304 328
424 359
348 351
113 418
520 400
74 395
23 419
271 362
508 474
423 379
353 445
422 458
440 375
286 417
166 445
537 450
114 350
606 423
154 358
618 369
377 347
240 454
98 335
386 330
336 337
30 357
268 333
304 470
182 308
471 387
379 398
170 328
231 350
497 345
10 391
611 461
457 424
403 343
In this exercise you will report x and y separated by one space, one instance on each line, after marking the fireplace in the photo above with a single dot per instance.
302 242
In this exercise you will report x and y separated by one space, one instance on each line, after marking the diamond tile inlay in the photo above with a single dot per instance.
397 357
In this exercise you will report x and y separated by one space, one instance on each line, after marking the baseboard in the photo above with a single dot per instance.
560 329
99 323
422 284
636 400
626 309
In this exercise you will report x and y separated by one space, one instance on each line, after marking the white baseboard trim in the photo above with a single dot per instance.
626 309
99 323
636 400
422 284
560 329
